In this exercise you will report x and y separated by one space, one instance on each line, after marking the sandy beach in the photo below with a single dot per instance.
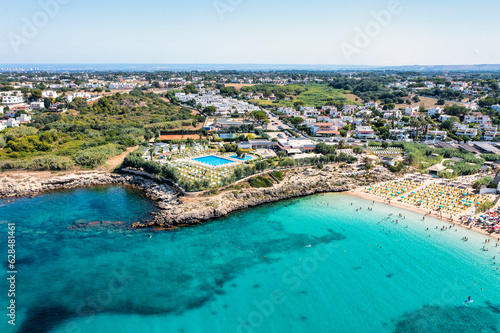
358 192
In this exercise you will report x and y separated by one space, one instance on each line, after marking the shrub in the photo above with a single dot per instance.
260 182
278 175
484 206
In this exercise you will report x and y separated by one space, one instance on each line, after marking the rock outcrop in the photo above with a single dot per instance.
175 210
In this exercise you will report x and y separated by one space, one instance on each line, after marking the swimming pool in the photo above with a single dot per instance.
213 160
246 158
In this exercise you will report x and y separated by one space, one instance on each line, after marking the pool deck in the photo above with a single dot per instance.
233 161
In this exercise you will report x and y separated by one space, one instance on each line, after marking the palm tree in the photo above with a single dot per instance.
151 152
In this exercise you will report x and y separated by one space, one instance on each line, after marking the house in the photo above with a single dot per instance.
348 109
37 105
365 132
436 136
465 131
434 111
444 117
399 134
24 118
391 114
411 111
12 122
496 107
477 117
325 129
49 94
12 99
332 110
490 134
310 111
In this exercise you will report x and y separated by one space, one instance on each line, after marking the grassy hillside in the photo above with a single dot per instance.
87 135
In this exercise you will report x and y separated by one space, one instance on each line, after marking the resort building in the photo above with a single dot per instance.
262 144
295 146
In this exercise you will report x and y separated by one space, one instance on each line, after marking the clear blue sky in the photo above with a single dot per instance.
424 32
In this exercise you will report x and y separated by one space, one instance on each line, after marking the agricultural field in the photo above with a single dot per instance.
316 95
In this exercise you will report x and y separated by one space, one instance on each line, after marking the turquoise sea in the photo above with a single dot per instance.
313 264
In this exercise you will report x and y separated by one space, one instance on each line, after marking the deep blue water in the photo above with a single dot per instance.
306 265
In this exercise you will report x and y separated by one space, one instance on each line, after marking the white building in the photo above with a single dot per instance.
434 111
411 111
466 131
37 105
12 122
436 135
24 118
12 99
49 94
365 132
399 134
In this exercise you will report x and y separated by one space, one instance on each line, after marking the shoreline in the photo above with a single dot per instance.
358 193
176 211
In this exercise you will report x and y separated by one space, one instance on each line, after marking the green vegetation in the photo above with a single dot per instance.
484 206
260 181
295 95
87 135
485 181
278 175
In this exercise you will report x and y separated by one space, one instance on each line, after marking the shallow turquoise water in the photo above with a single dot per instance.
307 265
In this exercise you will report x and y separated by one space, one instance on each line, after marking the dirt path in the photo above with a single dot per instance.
115 161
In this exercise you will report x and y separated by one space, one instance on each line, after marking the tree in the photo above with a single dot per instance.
47 102
210 110
441 101
297 120
298 104
357 150
281 154
36 94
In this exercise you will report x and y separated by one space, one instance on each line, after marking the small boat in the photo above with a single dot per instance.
308 245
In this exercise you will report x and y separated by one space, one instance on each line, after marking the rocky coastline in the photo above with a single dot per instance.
187 211
176 210
16 187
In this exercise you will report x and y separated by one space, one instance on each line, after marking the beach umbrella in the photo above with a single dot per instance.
464 193
402 197
398 192
413 192
441 206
